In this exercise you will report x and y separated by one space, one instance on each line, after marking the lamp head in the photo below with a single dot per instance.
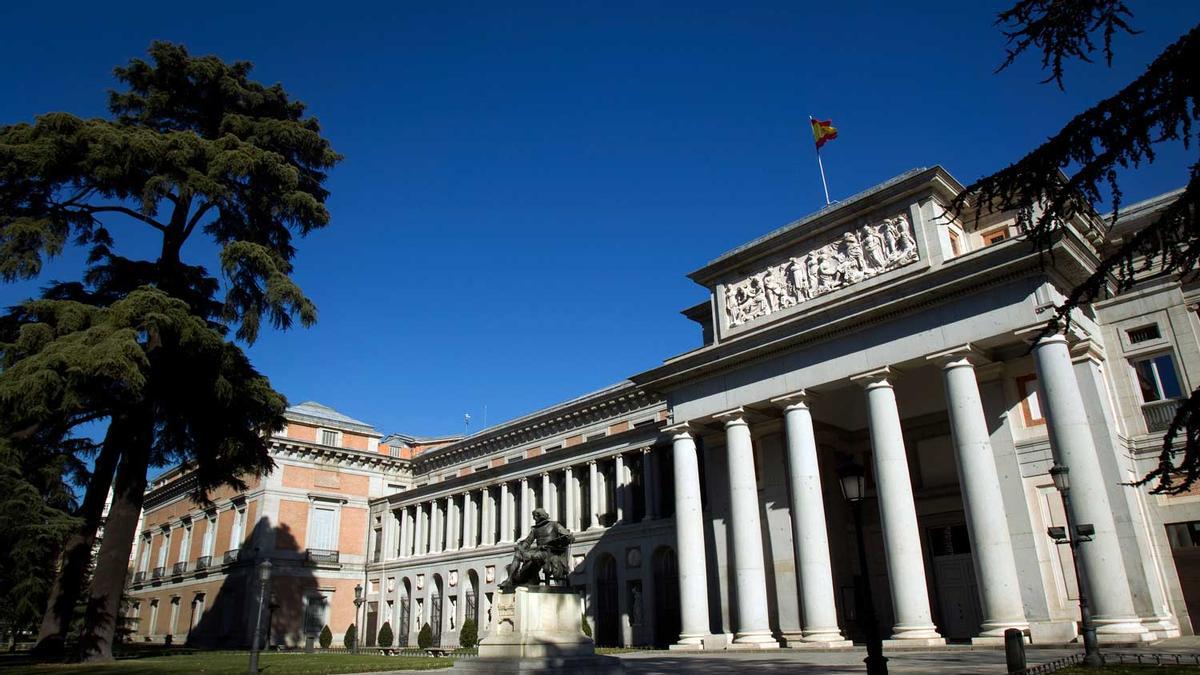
358 591
1061 476
264 571
853 480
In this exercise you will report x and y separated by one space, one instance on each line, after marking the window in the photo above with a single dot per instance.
162 549
330 437
1144 334
378 545
955 243
197 609
1184 535
174 615
1157 379
210 535
135 616
1031 407
315 614
598 434
514 458
239 527
323 532
995 236
153 626
144 563
186 543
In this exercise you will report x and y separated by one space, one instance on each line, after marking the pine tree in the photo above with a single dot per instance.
425 637
326 637
1120 132
350 639
193 145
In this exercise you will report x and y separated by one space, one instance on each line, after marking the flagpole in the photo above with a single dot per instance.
823 183
820 166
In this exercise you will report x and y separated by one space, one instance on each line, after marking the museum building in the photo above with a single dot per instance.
882 332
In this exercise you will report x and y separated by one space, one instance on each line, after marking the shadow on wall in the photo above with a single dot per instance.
292 595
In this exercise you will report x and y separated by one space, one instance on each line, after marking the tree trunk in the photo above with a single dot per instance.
77 552
112 563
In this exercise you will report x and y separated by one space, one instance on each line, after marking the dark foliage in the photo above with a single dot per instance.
350 639
468 635
326 637
425 637
385 635
1118 133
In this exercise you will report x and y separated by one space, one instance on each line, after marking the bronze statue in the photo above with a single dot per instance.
546 549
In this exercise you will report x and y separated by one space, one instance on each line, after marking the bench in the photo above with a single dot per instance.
437 652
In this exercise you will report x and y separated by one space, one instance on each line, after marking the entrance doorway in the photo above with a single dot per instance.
954 582
608 617
667 621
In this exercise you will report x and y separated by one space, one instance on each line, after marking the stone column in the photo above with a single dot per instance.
569 504
648 485
810 537
621 487
753 629
546 501
437 528
505 517
453 523
485 518
995 567
405 533
1072 444
689 535
593 496
468 520
898 514
419 522
526 507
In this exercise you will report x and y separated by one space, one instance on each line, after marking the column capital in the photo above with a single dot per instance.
797 399
960 356
880 377
733 417
680 429
591 462
545 474
647 450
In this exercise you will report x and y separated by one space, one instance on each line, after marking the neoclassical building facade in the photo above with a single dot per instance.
883 332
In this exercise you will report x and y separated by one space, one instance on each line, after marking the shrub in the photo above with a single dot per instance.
587 628
385 635
468 635
326 638
351 637
425 637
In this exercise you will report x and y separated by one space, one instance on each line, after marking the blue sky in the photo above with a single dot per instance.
525 187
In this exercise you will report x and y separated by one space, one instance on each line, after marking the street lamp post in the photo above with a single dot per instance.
853 480
264 577
358 602
1074 535
271 607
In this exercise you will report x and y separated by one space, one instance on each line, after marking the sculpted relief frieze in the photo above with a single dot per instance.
858 254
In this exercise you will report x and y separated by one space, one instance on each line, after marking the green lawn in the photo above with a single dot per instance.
232 663
1127 669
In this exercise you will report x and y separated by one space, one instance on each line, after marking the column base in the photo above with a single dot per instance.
914 642
820 644
755 640
992 641
993 634
1123 631
924 635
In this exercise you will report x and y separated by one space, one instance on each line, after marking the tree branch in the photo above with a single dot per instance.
125 210
195 219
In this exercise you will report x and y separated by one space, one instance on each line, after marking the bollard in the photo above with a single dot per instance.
1014 650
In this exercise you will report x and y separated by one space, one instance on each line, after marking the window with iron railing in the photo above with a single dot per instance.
180 567
157 573
139 577
203 562
231 556
1158 383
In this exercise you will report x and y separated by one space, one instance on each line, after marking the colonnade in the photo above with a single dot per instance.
1000 596
580 496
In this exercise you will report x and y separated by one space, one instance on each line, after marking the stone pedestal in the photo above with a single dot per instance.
538 630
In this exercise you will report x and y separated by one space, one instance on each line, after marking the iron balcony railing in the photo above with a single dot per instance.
180 567
320 555
1159 414
203 562
139 577
232 556
157 573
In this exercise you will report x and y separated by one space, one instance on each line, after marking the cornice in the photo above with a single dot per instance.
537 427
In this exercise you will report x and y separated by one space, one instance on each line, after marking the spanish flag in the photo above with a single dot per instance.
823 131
